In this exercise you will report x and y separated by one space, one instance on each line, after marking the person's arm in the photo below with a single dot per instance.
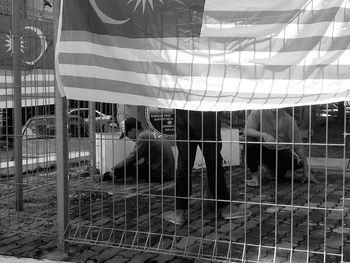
138 152
252 128
300 152
259 134
129 160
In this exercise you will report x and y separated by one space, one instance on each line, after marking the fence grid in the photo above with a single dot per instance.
272 209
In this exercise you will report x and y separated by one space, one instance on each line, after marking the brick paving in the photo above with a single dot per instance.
279 219
293 217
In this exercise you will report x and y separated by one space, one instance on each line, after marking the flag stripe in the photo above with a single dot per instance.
107 79
271 5
7 102
37 88
203 43
206 104
197 95
229 70
312 57
328 29
279 17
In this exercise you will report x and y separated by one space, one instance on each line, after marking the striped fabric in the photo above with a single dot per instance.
205 54
37 88
37 63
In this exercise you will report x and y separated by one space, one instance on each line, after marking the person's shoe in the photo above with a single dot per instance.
171 217
267 173
252 183
234 213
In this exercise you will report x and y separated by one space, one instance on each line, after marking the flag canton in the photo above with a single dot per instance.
135 19
36 43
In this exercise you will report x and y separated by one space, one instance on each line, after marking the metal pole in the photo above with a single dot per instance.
62 156
92 134
17 9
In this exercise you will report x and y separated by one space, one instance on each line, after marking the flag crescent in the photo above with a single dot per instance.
104 18
43 43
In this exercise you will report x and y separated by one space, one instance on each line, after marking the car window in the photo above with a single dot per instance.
42 128
84 114
77 128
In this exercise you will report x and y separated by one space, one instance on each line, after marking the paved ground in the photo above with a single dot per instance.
105 218
130 216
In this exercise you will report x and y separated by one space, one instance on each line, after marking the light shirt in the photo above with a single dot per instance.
283 131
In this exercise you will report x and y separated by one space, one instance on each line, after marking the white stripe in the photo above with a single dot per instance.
260 87
32 90
222 105
270 5
277 31
31 77
309 58
27 102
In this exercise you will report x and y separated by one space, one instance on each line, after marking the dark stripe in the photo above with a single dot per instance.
119 87
141 90
167 93
282 17
26 96
213 70
178 18
228 44
174 18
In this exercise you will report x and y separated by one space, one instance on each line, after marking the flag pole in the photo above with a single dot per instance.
62 154
17 10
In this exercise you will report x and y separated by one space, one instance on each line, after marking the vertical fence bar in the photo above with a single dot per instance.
92 135
62 154
17 11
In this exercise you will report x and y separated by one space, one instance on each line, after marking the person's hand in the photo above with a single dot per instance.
313 179
268 138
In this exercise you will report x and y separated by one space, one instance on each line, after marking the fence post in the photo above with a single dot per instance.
62 155
92 135
17 13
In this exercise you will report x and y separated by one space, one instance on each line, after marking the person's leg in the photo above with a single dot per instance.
253 161
186 156
215 172
185 161
285 161
269 157
140 172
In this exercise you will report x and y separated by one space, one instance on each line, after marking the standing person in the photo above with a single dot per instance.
152 157
201 129
275 130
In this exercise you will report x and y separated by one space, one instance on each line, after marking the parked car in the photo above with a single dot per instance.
39 136
102 121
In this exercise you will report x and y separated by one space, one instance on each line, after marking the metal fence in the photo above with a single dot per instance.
66 149
282 218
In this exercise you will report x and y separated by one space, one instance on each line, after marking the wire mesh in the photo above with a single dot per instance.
282 220
38 143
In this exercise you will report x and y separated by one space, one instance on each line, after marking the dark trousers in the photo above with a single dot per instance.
285 159
205 132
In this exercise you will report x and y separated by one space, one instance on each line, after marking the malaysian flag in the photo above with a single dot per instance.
37 74
205 54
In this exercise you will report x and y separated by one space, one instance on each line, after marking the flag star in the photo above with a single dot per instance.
144 2
9 43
